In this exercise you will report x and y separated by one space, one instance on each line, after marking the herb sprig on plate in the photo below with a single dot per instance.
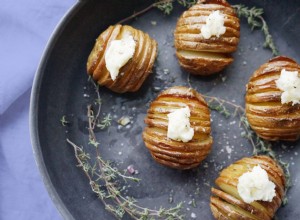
104 178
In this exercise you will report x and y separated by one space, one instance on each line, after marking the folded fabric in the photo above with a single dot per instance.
25 28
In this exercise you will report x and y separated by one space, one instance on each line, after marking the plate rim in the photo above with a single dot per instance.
33 110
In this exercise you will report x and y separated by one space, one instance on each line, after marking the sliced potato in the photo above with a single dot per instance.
135 71
177 154
226 202
269 118
195 54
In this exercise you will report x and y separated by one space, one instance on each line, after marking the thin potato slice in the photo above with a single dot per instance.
204 62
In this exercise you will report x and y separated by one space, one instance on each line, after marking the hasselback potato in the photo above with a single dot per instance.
199 54
266 114
226 202
174 153
134 72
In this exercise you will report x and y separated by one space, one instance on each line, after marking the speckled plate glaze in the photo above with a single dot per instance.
61 87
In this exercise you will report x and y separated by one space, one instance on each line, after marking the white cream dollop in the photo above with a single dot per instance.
289 83
118 54
255 185
214 25
179 127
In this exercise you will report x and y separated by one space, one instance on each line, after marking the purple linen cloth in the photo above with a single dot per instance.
25 27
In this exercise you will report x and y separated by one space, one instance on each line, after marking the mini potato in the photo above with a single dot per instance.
226 202
135 71
198 54
267 116
174 153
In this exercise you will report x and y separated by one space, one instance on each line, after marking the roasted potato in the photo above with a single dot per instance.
267 116
226 202
201 56
135 71
177 154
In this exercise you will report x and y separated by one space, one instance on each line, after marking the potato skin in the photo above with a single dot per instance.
135 71
166 151
187 36
226 203
270 119
203 65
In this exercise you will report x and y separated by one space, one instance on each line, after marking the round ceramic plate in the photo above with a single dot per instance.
61 88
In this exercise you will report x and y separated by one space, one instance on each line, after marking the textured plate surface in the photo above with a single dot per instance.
61 87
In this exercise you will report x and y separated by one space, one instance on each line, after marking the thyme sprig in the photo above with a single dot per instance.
104 178
220 105
165 6
187 3
255 20
105 122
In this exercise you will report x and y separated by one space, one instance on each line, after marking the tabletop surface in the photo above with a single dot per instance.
25 28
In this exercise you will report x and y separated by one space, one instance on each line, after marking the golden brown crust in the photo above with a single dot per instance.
219 2
269 118
187 37
177 154
226 202
135 71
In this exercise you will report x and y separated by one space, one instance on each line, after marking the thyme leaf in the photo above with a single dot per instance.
165 6
63 121
105 122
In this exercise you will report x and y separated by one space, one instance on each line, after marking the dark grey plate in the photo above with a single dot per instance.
61 82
